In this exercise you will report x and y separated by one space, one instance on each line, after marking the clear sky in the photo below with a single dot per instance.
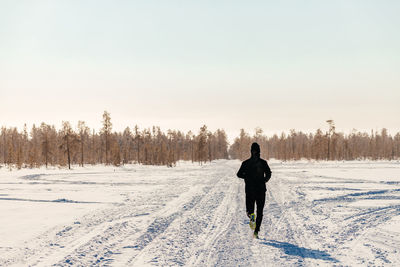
180 64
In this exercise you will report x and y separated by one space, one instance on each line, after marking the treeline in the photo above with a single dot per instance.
44 145
329 145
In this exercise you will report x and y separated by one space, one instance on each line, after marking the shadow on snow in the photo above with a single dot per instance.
60 200
373 194
294 250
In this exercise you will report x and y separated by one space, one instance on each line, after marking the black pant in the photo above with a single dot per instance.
259 199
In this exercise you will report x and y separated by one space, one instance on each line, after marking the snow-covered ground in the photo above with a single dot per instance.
327 213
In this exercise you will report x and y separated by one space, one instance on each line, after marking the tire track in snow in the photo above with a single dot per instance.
211 228
181 242
225 236
107 245
113 245
100 226
288 217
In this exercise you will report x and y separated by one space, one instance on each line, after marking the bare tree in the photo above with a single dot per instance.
83 136
68 139
45 134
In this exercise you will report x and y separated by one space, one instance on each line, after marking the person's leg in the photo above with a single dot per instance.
250 201
260 200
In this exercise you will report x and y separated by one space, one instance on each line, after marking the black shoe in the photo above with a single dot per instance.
255 235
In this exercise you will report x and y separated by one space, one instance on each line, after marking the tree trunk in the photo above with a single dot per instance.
138 151
46 153
106 149
69 157
82 151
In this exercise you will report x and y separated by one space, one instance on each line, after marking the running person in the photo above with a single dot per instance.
255 172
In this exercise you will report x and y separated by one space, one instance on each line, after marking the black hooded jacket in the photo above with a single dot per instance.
255 172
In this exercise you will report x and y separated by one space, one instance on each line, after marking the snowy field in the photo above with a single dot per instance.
327 213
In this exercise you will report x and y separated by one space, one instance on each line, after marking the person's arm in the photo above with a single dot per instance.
267 172
241 173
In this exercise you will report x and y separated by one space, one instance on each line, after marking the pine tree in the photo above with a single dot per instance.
106 131
83 137
138 140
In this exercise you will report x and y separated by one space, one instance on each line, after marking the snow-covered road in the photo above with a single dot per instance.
327 213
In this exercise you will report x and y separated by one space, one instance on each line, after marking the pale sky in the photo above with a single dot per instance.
181 64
